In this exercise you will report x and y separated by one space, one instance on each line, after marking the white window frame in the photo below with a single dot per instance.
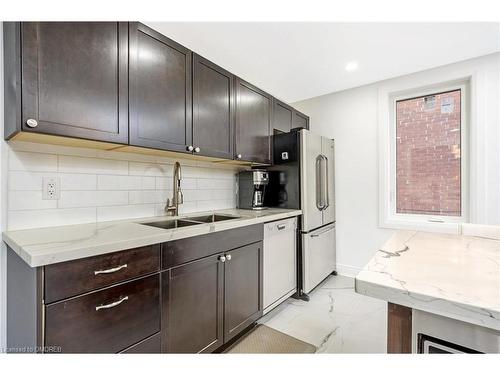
389 218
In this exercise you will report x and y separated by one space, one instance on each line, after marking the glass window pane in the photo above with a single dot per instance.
428 170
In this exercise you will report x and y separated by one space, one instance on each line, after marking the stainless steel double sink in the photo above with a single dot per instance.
188 221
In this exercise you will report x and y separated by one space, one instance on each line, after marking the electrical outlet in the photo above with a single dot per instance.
51 188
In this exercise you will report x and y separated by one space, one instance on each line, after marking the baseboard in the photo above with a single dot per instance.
347 270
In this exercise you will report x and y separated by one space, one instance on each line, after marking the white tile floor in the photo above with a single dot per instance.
335 320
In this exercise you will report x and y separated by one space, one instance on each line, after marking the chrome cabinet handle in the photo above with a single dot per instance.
228 256
222 258
112 304
197 149
110 270
190 148
239 156
32 123
281 226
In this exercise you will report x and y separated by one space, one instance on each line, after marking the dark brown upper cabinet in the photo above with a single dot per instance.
160 91
300 120
213 109
243 288
283 116
119 82
253 123
75 79
192 317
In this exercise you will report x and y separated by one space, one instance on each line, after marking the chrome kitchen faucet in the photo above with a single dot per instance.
172 207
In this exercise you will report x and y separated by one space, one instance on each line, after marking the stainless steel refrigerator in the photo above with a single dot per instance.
303 176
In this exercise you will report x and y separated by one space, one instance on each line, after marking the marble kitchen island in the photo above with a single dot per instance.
456 277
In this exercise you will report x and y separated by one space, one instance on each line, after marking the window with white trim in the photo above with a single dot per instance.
428 156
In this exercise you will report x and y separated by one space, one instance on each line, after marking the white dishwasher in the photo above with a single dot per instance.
280 262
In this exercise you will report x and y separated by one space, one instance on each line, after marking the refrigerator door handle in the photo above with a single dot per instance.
319 183
326 183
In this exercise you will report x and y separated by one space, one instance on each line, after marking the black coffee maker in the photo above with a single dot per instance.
252 189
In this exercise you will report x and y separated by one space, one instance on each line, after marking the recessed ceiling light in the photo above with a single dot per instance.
351 66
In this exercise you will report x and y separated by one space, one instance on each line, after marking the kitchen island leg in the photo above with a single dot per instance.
398 328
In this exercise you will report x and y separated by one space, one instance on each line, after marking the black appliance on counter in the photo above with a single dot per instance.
252 189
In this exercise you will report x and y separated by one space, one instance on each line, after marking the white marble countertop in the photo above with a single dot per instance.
44 246
457 276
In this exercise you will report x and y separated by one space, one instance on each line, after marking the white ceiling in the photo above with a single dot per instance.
295 61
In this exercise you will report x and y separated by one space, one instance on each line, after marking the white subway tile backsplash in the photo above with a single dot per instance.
30 161
125 212
49 218
101 185
107 182
29 200
148 196
192 195
165 183
77 164
214 205
150 169
92 198
206 183
78 181
185 208
20 180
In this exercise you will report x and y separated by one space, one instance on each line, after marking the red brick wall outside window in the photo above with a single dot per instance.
428 168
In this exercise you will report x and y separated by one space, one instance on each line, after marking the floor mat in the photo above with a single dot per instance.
264 339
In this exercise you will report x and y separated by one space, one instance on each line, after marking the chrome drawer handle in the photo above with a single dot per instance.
281 226
113 304
111 270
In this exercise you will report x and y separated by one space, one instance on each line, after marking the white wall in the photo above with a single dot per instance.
351 118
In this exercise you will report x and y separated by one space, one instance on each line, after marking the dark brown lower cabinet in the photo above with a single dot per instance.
243 291
105 321
208 302
192 306
207 292
151 345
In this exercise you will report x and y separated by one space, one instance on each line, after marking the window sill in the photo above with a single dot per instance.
421 225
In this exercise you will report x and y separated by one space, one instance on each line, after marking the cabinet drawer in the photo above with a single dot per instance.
182 251
63 280
106 321
151 345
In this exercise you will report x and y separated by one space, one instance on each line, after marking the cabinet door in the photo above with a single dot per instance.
213 109
253 123
160 91
300 120
74 79
283 116
243 289
192 306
